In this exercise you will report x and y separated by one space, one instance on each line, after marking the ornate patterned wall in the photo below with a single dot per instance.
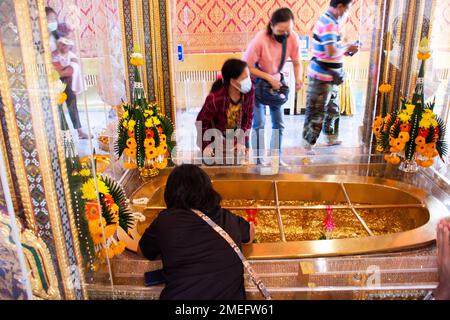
210 26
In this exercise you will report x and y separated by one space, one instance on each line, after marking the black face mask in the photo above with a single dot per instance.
280 38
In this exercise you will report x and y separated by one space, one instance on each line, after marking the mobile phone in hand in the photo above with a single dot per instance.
357 43
153 278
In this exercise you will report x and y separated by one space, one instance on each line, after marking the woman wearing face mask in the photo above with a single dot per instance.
228 107
52 24
264 57
69 74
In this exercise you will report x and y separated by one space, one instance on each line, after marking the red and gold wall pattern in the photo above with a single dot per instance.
211 26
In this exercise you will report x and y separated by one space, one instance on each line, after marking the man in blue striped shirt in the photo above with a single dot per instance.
325 73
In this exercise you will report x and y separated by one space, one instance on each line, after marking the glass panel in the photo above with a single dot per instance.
203 37
93 201
89 122
94 28
437 77
308 193
359 277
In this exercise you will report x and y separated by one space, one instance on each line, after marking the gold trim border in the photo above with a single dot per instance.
29 238
7 164
37 119
60 150
157 57
141 40
125 50
11 127
171 65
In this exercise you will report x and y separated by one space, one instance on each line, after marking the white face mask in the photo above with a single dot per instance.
52 26
246 85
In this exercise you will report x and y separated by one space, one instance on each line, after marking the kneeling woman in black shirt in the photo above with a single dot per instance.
198 263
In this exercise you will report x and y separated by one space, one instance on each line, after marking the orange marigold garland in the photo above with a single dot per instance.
106 209
414 133
144 135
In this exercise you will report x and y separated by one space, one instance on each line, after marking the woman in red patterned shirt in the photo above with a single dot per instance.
229 110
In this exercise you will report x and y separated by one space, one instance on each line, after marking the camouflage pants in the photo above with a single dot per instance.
322 111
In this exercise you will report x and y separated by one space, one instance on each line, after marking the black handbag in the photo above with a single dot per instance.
338 77
265 94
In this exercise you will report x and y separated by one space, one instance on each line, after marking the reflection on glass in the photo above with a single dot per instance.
203 41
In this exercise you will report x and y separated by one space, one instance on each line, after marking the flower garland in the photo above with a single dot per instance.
328 224
144 136
137 59
415 132
382 120
59 86
105 207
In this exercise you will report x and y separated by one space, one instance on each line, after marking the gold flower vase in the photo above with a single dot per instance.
149 170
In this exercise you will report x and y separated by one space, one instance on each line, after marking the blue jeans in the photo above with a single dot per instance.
259 120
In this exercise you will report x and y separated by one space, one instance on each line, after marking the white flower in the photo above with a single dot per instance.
60 86
137 55
424 46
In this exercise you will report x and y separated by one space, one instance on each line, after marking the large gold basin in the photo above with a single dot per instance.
371 214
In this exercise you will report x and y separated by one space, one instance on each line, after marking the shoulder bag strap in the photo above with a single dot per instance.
283 55
259 284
